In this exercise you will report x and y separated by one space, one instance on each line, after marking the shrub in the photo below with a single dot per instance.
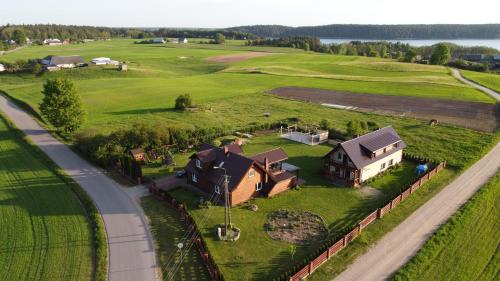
183 101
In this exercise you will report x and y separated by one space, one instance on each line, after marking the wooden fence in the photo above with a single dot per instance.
190 226
349 237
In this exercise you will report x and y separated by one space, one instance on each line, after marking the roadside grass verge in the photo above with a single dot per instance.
466 247
68 239
488 80
168 230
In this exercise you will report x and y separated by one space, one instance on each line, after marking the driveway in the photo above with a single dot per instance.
131 248
398 246
456 73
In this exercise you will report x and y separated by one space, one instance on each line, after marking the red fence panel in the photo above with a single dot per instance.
384 210
319 260
405 194
396 201
369 219
339 245
351 235
304 272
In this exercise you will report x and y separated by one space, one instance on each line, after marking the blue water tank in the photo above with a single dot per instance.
421 169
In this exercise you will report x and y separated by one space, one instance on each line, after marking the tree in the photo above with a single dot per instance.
292 249
183 101
355 128
399 56
410 55
219 38
324 124
62 105
440 54
1 45
19 36
383 51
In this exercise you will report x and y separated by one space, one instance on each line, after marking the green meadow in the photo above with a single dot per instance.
466 247
227 94
45 234
488 80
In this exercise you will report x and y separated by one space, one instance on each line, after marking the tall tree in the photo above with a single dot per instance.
440 54
62 105
219 38
19 36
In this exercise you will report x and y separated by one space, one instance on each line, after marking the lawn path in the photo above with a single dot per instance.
131 248
403 242
458 75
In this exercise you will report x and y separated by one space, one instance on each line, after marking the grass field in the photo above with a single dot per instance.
44 233
168 231
466 247
488 80
159 74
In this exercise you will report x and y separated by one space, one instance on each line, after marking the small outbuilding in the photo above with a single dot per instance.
158 41
183 40
138 154
2 68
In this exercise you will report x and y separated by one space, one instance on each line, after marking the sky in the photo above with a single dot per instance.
227 13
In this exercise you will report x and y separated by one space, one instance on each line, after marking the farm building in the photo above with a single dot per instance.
264 174
182 40
2 68
355 161
158 41
52 42
103 61
63 62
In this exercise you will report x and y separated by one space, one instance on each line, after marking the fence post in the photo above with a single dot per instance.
359 228
379 213
310 267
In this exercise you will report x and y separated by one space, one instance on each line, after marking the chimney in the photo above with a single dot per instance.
266 166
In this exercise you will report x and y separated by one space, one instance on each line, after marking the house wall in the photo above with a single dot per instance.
375 168
334 157
246 189
280 187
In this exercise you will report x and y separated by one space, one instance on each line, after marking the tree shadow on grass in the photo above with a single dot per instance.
143 111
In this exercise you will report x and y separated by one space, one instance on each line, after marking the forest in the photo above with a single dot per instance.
350 31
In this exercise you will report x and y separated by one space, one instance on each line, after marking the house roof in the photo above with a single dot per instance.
236 165
273 156
137 151
360 149
57 60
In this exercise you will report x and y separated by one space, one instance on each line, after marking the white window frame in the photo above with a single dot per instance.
391 162
251 173
217 189
198 163
382 166
194 177
258 186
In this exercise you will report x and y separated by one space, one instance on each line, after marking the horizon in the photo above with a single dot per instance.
213 14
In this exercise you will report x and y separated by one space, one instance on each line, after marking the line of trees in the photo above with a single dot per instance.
76 33
411 31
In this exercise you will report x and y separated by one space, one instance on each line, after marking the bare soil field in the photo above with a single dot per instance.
473 115
237 57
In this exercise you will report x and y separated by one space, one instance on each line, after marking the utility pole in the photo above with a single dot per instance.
227 205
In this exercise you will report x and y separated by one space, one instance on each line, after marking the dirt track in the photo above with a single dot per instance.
237 57
474 115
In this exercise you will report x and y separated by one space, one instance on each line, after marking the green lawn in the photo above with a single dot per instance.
466 247
168 230
158 74
44 232
489 80
257 256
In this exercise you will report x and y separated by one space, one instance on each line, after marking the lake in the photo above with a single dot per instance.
493 43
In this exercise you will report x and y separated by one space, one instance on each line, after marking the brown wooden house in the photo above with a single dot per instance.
352 162
261 175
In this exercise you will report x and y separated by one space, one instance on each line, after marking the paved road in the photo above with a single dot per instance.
131 248
489 91
402 243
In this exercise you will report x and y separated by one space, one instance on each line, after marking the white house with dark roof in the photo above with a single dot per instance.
357 160
63 62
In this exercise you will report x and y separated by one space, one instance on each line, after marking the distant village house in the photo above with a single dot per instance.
158 41
103 61
52 42
183 40
264 174
53 62
355 161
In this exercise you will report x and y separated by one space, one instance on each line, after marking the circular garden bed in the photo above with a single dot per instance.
298 227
